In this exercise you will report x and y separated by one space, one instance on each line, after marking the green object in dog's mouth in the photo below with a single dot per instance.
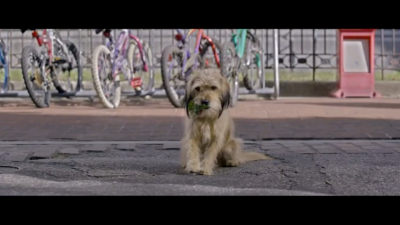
196 109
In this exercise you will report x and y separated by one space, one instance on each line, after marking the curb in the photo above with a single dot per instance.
22 151
287 88
97 142
176 142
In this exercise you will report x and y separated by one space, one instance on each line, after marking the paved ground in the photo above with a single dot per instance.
153 168
140 120
32 162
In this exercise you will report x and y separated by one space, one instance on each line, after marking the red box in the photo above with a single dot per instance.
356 64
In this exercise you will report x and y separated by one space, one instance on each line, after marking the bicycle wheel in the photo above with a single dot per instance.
108 89
254 57
38 91
136 65
207 55
4 64
62 87
228 64
171 67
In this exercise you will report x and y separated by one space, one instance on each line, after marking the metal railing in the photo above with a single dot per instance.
299 49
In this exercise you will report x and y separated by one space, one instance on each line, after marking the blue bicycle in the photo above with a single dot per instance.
4 64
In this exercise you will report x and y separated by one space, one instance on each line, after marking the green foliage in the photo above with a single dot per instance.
196 109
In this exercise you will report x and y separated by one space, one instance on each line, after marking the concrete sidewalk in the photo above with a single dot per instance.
153 168
157 120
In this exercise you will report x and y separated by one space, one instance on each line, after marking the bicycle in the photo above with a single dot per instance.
187 62
119 58
56 56
4 64
239 55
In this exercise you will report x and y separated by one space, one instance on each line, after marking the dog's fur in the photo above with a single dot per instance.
209 136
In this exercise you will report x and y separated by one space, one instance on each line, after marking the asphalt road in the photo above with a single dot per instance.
149 170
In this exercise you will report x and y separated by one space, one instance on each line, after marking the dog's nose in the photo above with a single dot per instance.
205 102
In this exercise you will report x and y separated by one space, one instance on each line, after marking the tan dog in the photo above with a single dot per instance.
209 136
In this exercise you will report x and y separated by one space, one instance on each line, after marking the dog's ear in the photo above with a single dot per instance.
188 97
226 95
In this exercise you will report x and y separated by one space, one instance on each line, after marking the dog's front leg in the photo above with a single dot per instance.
192 156
209 160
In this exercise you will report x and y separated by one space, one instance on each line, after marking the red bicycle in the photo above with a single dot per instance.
39 69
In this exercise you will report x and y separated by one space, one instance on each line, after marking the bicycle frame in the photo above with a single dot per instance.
240 46
182 44
242 43
119 50
47 40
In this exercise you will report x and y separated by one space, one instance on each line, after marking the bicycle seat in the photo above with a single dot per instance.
23 30
100 30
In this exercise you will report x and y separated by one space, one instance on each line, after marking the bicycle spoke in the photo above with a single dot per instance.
105 76
175 74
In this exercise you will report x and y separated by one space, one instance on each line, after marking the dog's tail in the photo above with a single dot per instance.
248 156
253 156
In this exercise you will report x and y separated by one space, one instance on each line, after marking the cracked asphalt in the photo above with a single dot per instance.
152 170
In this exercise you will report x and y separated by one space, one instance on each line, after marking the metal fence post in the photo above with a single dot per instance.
266 48
11 48
382 53
314 49
151 38
276 64
265 53
151 43
291 52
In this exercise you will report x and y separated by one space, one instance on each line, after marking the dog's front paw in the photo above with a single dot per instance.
192 168
232 163
205 172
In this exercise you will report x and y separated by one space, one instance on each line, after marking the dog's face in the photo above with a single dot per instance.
208 87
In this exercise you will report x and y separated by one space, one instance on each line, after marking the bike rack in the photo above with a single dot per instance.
79 94
274 91
23 93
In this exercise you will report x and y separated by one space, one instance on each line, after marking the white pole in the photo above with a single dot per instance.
276 64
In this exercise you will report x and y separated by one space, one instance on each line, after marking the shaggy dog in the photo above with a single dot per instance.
209 134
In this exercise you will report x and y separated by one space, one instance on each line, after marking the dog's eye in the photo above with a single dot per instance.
197 89
213 88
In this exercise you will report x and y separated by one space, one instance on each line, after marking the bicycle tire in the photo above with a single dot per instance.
205 49
97 83
246 79
26 51
230 76
171 94
149 59
5 64
75 53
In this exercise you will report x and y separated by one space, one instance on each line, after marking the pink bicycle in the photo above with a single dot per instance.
115 58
